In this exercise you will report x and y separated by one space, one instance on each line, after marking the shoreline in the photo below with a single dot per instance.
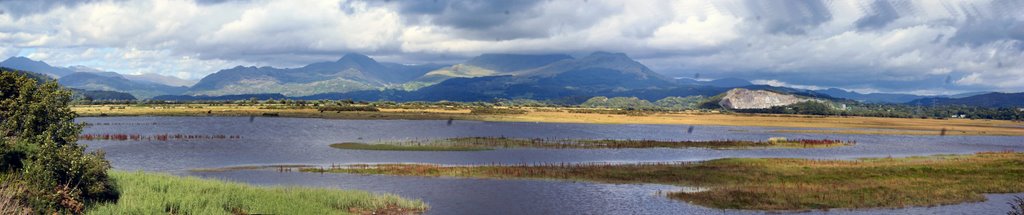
812 124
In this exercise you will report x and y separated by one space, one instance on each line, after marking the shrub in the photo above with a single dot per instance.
39 141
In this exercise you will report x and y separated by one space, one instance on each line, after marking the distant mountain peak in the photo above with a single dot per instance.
610 58
357 58
27 64
604 53
19 58
24 60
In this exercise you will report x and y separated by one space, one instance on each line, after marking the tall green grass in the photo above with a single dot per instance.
148 193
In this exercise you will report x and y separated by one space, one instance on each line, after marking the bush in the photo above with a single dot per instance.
628 103
39 141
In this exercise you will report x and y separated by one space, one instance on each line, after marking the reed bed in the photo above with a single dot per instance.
775 183
148 193
486 143
155 137
118 123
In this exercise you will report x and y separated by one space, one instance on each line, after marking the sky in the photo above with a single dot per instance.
923 47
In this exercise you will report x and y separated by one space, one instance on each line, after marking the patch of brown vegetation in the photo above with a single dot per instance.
390 209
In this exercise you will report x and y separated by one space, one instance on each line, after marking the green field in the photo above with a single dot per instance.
777 183
149 193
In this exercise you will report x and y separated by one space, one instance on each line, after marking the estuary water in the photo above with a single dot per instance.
305 141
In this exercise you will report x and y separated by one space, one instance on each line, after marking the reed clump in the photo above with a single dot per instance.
776 183
155 137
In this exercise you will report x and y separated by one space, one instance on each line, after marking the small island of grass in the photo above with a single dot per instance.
489 143
149 193
776 183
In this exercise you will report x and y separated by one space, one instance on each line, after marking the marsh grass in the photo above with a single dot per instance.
776 183
147 193
487 143
156 137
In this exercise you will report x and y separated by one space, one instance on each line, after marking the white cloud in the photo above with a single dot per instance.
850 44
777 83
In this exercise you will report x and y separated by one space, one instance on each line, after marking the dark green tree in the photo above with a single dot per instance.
39 142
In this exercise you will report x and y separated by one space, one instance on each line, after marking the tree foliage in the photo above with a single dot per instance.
39 143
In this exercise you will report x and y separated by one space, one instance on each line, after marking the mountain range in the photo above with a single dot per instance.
482 78
999 100
352 72
870 97
93 80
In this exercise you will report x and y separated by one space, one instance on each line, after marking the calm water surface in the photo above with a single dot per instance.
270 141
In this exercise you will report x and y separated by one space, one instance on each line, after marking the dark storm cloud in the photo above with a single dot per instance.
20 8
880 14
469 14
984 23
494 20
788 17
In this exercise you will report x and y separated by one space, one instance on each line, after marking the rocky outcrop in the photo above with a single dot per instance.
740 98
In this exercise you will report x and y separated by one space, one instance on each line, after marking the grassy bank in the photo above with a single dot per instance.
775 183
148 193
488 143
846 125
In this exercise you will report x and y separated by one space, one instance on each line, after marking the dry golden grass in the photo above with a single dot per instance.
825 124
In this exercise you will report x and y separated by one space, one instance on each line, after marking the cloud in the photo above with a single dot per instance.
885 46
777 83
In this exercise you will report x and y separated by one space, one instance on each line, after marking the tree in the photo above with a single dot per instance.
39 141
